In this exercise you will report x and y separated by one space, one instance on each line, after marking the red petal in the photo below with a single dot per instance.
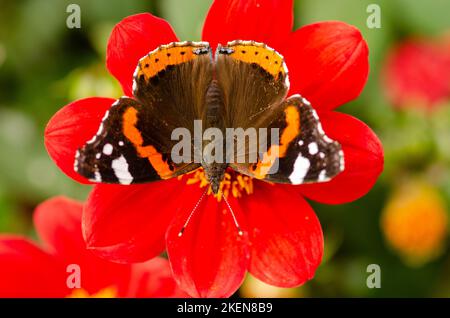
131 39
210 259
286 237
70 128
364 160
58 224
153 279
128 223
328 63
267 21
27 271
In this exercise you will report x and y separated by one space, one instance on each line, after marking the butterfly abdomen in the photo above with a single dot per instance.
215 106
213 160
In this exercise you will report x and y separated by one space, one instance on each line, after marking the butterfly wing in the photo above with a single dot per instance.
134 141
300 152
128 148
254 79
172 81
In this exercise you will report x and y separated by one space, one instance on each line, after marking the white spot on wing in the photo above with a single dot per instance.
313 148
301 167
342 161
107 149
120 167
121 143
98 177
98 155
75 164
323 175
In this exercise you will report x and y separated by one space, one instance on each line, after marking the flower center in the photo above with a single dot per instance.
233 183
108 292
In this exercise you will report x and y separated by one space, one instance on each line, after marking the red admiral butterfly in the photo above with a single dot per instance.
243 85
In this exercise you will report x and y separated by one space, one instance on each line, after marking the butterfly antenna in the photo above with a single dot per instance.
232 214
192 213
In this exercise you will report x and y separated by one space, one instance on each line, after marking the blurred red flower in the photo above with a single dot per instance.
27 270
417 73
282 242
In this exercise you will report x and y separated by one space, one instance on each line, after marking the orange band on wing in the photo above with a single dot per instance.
165 56
292 116
266 58
134 136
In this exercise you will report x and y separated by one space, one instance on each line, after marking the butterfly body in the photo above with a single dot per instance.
215 109
239 96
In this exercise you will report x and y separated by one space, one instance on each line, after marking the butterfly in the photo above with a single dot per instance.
242 85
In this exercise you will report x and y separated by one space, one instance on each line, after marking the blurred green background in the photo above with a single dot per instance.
44 65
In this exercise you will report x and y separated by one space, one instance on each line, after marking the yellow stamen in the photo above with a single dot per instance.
234 183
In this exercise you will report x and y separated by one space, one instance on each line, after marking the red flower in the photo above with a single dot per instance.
27 270
417 74
282 242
